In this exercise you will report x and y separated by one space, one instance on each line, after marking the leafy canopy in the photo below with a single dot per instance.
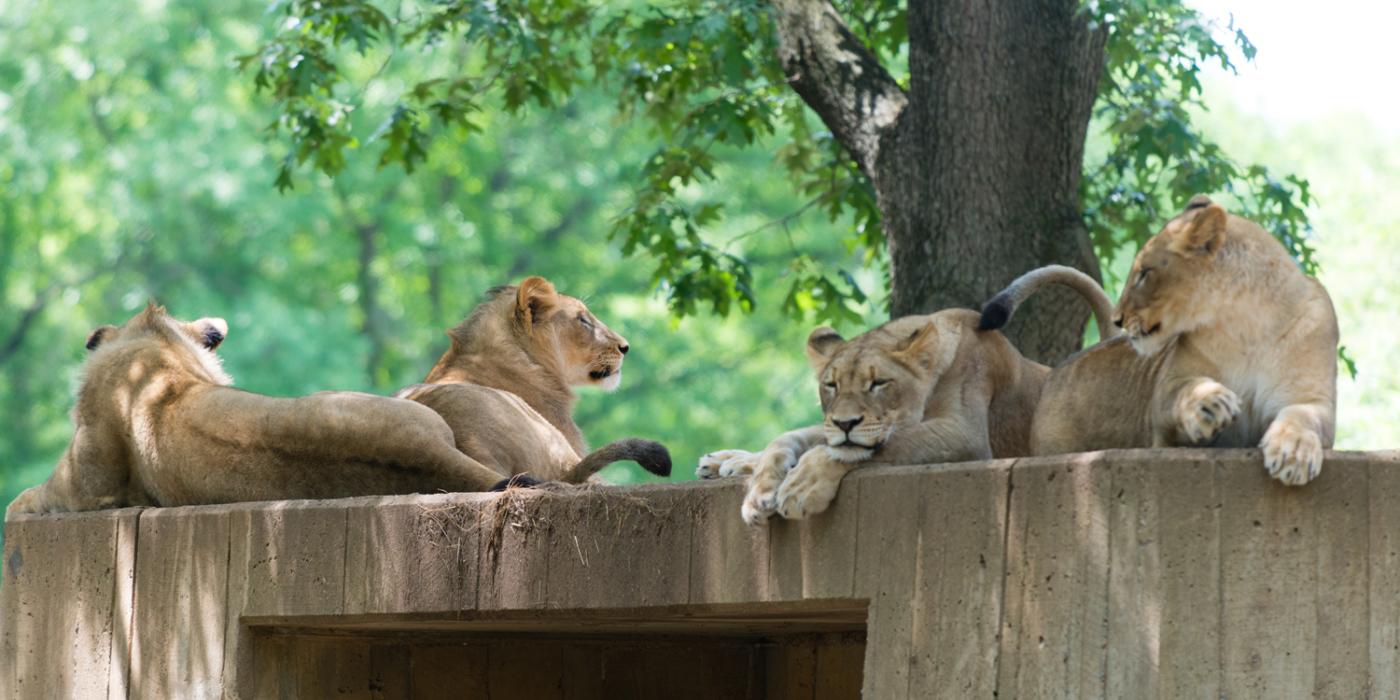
704 76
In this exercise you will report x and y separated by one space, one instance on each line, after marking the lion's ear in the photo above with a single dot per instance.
1199 201
917 348
1203 234
211 331
99 336
821 345
533 297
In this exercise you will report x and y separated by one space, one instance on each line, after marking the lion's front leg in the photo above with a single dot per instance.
91 475
30 500
1294 442
811 487
956 438
772 467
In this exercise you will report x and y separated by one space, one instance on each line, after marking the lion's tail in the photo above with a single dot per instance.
998 311
652 456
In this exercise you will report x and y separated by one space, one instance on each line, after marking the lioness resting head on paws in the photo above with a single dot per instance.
157 424
916 390
505 385
1228 344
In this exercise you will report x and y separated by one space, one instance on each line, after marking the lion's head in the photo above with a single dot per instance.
590 352
1175 280
554 330
878 382
189 342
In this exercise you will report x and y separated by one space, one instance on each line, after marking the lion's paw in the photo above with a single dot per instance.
810 488
726 463
1292 454
1206 410
760 502
740 465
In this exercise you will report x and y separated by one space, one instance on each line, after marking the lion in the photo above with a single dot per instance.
157 423
505 386
916 390
1227 344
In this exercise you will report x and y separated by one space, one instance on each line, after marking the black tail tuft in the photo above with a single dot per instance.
995 313
652 456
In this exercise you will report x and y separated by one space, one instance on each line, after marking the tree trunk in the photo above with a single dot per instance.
368 283
977 172
375 324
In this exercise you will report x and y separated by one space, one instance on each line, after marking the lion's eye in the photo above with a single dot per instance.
830 385
877 383
584 320
1142 276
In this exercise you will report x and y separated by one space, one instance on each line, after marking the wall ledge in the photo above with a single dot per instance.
1183 572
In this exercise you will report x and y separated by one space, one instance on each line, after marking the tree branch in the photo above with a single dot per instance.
16 337
837 76
104 129
549 237
14 340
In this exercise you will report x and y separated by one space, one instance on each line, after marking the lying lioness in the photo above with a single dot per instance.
504 386
1228 344
916 390
157 424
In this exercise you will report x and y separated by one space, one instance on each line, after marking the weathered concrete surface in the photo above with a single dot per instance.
1177 573
66 601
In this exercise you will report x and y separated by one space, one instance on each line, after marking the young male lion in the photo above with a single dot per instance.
919 389
1228 344
505 386
157 424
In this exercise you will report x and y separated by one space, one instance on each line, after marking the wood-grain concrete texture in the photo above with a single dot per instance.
1145 573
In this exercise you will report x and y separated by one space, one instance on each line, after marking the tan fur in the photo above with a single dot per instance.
951 393
156 424
505 386
1228 344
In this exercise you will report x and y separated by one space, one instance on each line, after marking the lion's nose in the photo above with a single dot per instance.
623 348
1118 320
847 425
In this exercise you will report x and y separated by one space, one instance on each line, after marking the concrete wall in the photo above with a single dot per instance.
1181 573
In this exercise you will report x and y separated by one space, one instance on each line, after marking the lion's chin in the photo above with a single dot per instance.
851 452
611 381
605 377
